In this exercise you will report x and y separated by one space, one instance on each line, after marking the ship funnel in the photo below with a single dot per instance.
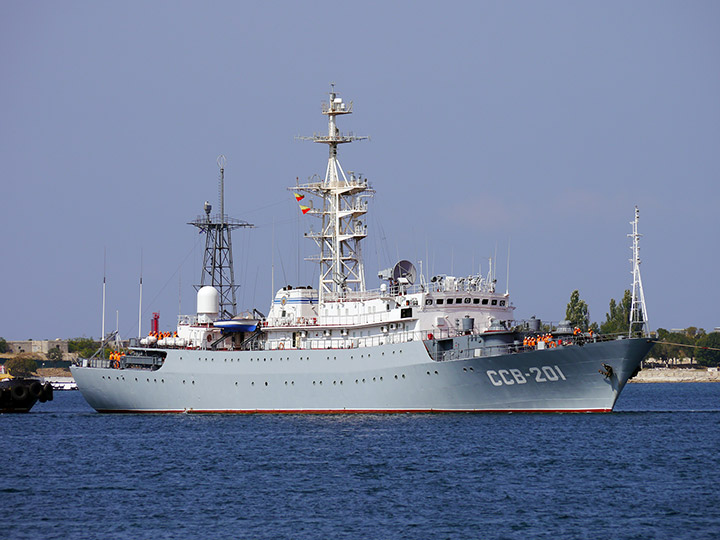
208 304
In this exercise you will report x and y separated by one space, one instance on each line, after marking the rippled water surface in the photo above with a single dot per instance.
649 470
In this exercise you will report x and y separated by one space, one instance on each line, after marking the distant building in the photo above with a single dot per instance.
37 346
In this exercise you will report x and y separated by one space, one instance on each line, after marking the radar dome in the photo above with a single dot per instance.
208 303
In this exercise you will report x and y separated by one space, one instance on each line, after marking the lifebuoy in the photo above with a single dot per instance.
281 345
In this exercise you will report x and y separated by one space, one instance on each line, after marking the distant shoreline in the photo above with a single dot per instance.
675 375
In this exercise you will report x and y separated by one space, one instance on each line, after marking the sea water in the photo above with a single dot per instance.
649 470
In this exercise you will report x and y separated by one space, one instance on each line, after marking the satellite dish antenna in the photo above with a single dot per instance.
404 273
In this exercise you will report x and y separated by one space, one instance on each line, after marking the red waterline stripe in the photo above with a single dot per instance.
349 411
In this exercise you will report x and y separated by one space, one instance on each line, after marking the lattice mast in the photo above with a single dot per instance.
218 258
342 201
638 311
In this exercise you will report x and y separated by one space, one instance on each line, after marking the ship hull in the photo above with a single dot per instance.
385 379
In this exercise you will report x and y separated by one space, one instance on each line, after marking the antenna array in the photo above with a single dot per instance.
218 260
638 311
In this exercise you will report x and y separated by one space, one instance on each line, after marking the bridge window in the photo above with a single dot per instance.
494 302
428 301
440 301
476 300
450 300
484 301
467 300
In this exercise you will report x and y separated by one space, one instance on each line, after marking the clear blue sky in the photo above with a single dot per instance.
537 123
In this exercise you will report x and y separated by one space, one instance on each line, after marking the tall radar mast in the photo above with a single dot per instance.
638 311
342 202
218 260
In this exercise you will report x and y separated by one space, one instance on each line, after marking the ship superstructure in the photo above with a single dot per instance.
448 343
342 312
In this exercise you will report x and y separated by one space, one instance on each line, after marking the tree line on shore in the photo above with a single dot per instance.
692 342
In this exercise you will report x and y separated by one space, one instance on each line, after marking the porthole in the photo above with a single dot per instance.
465 369
403 375
193 382
381 378
236 383
396 377
428 373
252 383
136 379
265 383
436 372
374 379
363 380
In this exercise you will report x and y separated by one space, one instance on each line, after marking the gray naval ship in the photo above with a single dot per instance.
443 344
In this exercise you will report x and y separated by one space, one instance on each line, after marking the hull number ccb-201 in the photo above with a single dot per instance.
515 376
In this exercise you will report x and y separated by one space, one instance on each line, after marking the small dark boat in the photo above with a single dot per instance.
20 394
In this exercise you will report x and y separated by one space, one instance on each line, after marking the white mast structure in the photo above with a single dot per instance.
342 203
638 311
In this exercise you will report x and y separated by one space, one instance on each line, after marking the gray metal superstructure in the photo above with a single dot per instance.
447 343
